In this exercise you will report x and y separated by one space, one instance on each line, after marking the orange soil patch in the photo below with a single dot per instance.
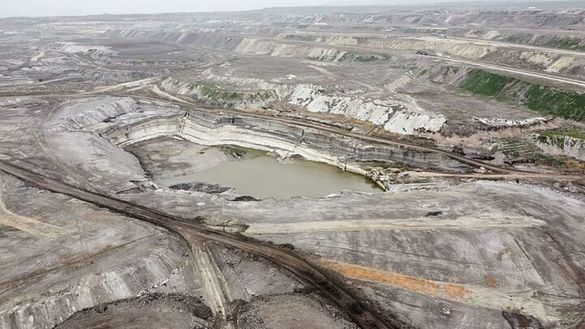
423 286
455 291
491 281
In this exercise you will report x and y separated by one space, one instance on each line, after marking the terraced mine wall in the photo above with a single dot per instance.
348 153
215 95
539 38
570 64
211 39
467 50
324 54
573 19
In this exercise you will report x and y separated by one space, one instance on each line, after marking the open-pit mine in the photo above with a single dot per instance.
295 168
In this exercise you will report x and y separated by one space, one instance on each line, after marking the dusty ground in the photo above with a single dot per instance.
149 311
479 226
300 313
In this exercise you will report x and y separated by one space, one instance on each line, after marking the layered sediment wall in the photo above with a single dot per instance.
395 115
258 46
209 128
211 39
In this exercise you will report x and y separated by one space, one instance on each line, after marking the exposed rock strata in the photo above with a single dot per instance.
393 114
208 128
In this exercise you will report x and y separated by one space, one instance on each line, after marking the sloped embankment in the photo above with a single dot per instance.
538 98
205 38
324 54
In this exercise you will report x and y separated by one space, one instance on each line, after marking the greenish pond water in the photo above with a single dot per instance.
260 175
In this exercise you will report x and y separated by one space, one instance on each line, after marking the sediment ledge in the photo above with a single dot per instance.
208 128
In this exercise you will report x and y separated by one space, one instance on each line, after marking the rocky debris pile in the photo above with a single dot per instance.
517 320
200 187
227 224
385 177
498 123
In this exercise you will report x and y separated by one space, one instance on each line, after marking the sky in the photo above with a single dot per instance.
12 8
19 8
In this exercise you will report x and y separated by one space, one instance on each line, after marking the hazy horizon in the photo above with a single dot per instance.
42 8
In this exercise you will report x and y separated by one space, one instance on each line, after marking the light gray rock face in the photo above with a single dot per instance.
396 115
498 123
561 145
393 115
323 54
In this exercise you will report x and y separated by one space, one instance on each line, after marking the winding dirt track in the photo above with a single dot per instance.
331 288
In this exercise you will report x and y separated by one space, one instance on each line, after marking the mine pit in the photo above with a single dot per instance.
183 165
376 167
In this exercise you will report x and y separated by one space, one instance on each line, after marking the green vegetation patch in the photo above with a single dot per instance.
485 83
298 37
516 38
261 95
541 99
368 58
517 149
557 140
577 134
421 72
566 104
217 93
353 57
565 43
570 43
